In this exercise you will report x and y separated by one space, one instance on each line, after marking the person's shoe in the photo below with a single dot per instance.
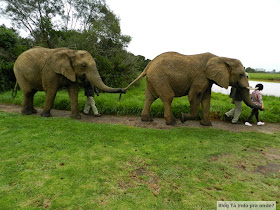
260 123
227 118
237 122
97 115
86 113
248 124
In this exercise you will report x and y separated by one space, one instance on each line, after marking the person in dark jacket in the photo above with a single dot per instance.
236 96
90 103
236 111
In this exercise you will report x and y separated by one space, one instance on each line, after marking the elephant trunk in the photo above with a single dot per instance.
247 99
95 80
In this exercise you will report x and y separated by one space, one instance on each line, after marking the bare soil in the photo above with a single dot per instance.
158 123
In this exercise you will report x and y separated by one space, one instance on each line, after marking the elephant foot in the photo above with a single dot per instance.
207 123
28 111
146 118
172 122
46 114
76 116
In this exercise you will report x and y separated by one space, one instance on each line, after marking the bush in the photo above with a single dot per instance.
10 47
7 78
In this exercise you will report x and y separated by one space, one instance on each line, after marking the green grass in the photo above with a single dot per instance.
264 77
61 163
133 101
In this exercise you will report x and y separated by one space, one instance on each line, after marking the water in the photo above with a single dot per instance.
269 88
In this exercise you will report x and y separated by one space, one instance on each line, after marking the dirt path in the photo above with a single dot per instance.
158 123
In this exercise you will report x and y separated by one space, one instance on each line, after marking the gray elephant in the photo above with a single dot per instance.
42 69
172 75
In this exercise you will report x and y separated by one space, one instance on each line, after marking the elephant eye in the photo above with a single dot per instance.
84 64
241 75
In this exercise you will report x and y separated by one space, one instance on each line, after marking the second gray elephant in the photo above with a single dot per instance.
172 75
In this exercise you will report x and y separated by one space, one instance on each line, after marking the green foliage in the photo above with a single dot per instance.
250 70
10 47
61 163
7 78
259 70
8 38
100 33
37 17
34 16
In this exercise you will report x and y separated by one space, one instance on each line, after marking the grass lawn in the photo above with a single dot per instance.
61 163
265 77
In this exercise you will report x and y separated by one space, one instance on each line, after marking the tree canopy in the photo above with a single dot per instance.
11 45
78 24
45 18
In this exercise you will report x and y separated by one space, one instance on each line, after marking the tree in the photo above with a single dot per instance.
250 70
260 70
34 16
44 18
10 47
53 23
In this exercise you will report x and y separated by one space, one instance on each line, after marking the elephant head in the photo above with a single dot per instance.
76 63
229 72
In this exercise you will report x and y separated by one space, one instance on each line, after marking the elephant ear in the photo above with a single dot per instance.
61 63
218 69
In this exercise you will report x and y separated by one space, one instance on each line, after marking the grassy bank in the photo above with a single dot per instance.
60 163
133 101
265 77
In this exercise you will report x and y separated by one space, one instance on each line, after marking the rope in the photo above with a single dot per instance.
14 93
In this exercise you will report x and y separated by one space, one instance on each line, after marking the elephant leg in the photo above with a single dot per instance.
195 100
27 103
32 101
73 95
168 116
206 108
50 96
149 99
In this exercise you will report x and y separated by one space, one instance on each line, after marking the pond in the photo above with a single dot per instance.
269 88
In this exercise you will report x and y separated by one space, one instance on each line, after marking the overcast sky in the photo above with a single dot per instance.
248 30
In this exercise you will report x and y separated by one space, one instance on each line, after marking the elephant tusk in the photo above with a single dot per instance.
250 88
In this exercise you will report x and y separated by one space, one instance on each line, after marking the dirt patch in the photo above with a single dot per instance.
139 175
272 166
148 178
269 168
265 161
158 123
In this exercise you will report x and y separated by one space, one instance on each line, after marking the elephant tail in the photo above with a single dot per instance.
14 93
140 76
